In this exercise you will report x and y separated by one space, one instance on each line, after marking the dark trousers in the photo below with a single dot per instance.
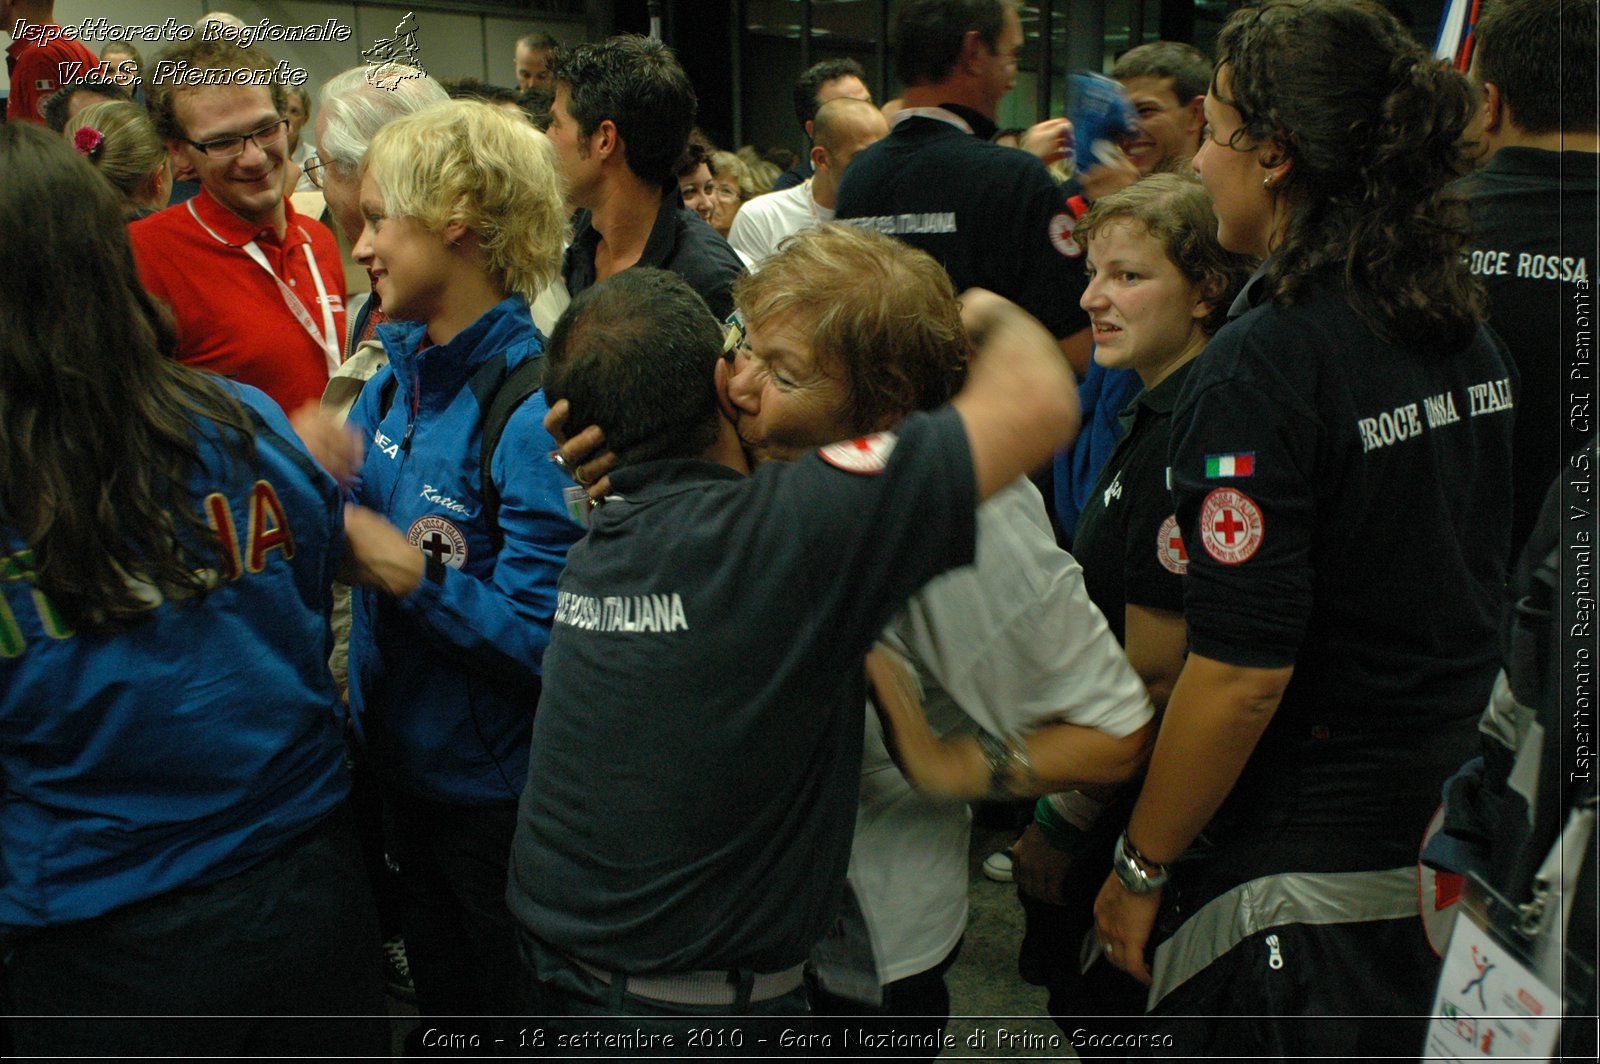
576 1008
286 950
374 830
916 1005
460 937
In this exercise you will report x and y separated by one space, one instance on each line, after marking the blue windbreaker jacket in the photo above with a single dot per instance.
445 680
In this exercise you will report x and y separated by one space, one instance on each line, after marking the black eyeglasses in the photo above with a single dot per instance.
313 169
229 147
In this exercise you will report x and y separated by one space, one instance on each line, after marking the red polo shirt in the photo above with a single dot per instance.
35 73
232 318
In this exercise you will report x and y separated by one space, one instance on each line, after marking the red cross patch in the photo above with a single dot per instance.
439 539
869 454
1169 547
1230 526
1061 226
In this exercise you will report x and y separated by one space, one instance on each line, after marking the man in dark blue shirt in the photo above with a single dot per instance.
683 838
991 215
620 123
1533 215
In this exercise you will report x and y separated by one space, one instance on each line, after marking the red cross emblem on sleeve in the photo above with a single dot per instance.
867 455
1231 527
1169 547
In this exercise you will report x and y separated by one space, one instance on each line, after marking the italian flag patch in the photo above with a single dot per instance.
1242 464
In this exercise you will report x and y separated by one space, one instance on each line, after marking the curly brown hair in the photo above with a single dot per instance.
1374 129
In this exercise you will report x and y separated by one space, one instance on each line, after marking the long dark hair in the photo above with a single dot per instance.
97 423
1375 131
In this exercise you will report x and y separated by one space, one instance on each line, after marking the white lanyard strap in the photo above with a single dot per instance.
328 339
938 114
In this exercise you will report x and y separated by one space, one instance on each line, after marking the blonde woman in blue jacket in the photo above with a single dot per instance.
463 216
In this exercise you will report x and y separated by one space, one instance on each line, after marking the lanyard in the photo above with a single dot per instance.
811 204
328 339
938 114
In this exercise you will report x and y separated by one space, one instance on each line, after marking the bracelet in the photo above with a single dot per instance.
1134 870
1154 867
1001 755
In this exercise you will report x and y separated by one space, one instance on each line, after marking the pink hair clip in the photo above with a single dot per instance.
88 140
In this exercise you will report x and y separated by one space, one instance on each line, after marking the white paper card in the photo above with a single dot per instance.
1489 1005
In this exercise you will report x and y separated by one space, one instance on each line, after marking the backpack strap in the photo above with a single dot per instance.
513 389
386 396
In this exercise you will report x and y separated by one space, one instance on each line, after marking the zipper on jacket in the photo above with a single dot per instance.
416 402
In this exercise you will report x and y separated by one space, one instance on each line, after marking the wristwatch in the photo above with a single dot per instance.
1135 871
1007 758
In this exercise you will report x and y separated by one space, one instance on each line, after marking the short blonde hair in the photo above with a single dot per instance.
881 311
727 164
130 151
477 164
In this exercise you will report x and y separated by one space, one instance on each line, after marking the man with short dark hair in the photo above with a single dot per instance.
70 99
1166 82
32 63
1534 214
683 837
831 79
535 55
620 123
991 215
256 287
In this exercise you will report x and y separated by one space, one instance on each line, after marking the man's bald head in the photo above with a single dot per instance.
843 127
844 120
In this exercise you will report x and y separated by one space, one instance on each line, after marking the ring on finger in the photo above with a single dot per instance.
560 461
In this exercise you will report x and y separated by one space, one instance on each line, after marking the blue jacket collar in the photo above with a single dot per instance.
505 325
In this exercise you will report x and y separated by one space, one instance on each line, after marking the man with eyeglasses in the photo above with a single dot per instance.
257 288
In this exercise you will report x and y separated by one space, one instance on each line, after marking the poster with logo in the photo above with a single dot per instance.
1489 1005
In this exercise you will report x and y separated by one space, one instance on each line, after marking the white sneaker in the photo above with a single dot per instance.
997 866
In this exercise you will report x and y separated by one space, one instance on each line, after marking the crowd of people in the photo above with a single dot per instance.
614 603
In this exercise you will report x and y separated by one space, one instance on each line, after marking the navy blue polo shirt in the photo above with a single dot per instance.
697 751
1345 507
991 215
1536 248
1127 539
680 241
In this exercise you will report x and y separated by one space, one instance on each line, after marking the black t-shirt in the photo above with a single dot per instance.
1345 505
680 241
1535 236
990 214
1127 538
697 752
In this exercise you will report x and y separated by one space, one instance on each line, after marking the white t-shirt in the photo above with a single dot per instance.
761 224
1010 644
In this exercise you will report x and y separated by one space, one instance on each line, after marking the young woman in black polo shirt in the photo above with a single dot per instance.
1340 472
1159 287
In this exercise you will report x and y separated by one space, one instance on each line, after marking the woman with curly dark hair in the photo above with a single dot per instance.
172 842
1340 467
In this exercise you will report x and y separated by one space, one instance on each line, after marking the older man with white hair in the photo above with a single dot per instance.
351 109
